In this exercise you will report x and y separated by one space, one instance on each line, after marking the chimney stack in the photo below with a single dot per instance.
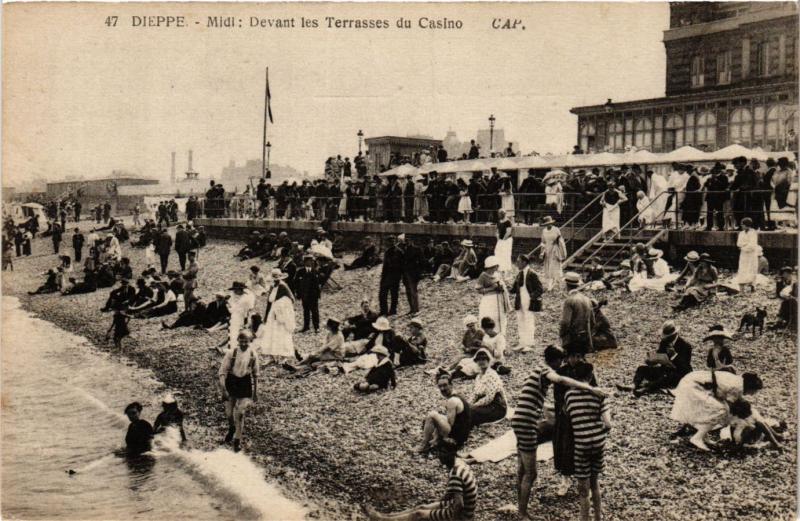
172 172
190 161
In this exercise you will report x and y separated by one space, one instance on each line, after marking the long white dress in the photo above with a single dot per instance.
647 214
278 327
747 242
555 252
493 305
554 196
658 185
503 251
526 319
610 216
696 405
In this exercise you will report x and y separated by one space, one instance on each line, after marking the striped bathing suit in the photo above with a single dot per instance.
461 482
585 411
529 409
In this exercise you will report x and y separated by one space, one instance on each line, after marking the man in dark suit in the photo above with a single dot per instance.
57 233
183 243
716 195
77 244
367 259
391 275
412 269
308 282
672 361
743 184
360 326
527 199
408 199
163 247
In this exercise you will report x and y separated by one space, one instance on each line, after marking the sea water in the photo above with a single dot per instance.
62 409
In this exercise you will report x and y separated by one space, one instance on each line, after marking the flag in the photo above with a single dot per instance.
269 100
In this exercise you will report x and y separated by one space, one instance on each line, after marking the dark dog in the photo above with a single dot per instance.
751 321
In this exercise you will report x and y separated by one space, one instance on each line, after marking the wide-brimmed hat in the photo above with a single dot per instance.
483 352
415 322
468 243
717 331
238 285
277 274
380 350
654 253
669 330
548 220
705 257
692 256
469 319
491 262
168 399
572 277
382 324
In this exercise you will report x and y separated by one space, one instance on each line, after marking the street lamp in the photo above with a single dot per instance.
269 147
491 132
360 137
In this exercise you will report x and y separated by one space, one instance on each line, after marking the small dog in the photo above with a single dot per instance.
751 321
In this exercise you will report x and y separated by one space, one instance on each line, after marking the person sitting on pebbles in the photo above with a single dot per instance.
719 355
489 403
458 501
664 367
332 351
379 377
454 425
382 336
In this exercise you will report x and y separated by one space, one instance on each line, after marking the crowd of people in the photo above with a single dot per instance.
581 420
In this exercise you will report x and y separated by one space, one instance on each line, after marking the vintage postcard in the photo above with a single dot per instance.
399 261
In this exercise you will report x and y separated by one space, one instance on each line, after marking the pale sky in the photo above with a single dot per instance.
83 98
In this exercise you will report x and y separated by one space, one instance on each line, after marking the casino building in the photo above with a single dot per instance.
732 77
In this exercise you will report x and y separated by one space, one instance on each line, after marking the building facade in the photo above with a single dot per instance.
731 77
380 149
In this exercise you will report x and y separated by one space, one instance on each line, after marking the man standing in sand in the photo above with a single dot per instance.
238 383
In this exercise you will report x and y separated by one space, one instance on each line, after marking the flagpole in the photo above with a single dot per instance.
264 139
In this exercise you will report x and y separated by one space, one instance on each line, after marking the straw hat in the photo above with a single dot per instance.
572 277
382 324
467 243
277 274
491 262
380 350
625 264
168 399
717 331
469 319
655 253
669 330
692 256
548 220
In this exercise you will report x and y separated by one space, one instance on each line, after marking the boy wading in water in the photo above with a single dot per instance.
459 498
238 382
591 421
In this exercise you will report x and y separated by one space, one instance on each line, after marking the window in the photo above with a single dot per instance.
739 127
615 136
628 133
643 137
706 129
758 126
673 133
698 66
659 133
724 68
587 137
762 59
781 121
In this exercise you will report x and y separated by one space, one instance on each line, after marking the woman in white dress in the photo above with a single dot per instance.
505 242
610 201
647 214
420 200
554 251
280 320
464 202
527 291
658 185
554 197
494 300
506 195
747 242
703 400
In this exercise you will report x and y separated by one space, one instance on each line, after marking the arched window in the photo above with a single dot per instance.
615 136
643 133
740 127
759 114
588 137
706 129
673 133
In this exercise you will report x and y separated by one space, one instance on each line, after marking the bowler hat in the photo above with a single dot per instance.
238 285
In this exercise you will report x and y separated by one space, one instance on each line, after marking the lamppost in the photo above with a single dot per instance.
269 147
360 137
491 132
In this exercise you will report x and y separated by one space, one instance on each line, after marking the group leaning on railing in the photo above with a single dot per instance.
715 198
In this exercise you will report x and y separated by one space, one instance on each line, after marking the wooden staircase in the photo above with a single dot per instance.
608 255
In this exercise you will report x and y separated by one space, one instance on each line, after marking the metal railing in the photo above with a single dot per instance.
571 224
